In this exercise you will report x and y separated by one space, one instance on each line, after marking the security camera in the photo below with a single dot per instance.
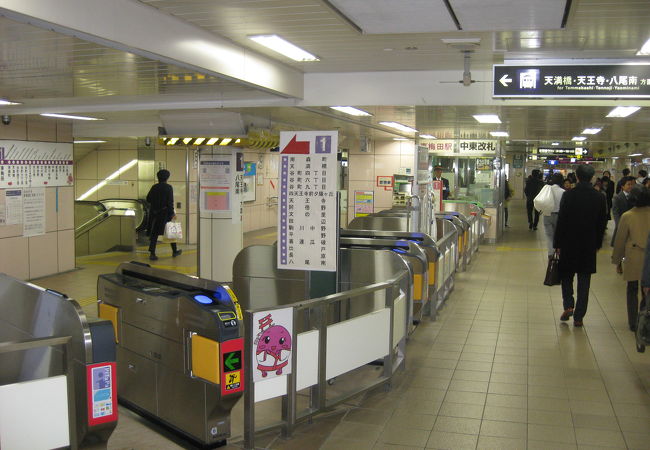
147 141
6 119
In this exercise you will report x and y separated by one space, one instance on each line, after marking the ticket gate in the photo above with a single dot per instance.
179 348
29 313
422 240
463 231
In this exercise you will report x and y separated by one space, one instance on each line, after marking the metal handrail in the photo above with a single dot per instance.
79 230
317 392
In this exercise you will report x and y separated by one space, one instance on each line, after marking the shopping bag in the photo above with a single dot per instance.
552 271
544 202
173 232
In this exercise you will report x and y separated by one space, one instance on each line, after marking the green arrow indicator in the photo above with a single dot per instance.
232 361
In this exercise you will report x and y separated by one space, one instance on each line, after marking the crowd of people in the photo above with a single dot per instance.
575 212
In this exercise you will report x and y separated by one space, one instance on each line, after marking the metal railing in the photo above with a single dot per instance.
316 313
92 223
65 342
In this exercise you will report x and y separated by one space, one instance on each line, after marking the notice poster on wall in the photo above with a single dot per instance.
215 184
11 206
308 213
364 203
273 343
35 164
33 211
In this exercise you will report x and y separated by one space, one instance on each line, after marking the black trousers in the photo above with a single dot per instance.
533 214
580 306
154 240
633 302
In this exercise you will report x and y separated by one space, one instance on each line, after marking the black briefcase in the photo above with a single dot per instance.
552 272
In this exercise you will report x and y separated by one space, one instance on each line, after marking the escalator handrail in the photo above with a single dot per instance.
80 229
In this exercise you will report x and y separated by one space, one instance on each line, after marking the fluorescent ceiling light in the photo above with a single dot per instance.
211 141
66 116
578 138
399 126
623 111
401 139
112 176
499 133
89 142
555 143
645 50
591 130
351 111
427 136
286 48
4 102
636 154
487 118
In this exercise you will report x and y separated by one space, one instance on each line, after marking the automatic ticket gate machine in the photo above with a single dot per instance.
417 263
462 228
29 312
422 240
179 348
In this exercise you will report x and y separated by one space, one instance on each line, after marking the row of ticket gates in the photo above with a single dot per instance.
171 346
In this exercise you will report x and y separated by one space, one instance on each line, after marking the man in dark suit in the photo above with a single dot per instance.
534 184
437 172
620 202
578 236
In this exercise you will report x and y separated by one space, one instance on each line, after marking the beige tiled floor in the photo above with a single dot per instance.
497 370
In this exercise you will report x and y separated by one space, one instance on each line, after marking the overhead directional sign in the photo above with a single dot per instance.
578 81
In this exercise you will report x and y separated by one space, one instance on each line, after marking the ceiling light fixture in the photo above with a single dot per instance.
66 116
427 136
487 118
636 154
5 102
591 130
623 111
284 47
399 126
578 138
499 133
555 143
645 49
401 139
89 142
350 110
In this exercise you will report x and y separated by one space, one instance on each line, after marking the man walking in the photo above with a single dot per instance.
534 184
621 203
578 236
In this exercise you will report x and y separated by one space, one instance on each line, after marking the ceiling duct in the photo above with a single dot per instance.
199 123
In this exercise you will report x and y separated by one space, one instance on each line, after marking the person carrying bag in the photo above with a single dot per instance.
161 212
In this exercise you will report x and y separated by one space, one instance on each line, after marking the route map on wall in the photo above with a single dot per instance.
35 164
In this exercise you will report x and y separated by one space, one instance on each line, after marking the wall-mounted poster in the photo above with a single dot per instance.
364 203
35 164
215 184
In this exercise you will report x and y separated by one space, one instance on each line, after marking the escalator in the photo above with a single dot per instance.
109 225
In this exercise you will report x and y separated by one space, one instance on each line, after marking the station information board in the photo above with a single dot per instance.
35 164
577 81
308 213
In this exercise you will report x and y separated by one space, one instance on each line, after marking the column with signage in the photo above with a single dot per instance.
308 214
221 174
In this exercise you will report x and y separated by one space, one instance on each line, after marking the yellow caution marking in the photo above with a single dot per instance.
87 301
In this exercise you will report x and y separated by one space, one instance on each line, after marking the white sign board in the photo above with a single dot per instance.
466 147
33 211
215 184
308 216
273 344
35 164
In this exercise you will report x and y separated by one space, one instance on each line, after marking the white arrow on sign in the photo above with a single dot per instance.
504 80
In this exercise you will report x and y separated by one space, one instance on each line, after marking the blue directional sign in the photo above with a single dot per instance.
576 81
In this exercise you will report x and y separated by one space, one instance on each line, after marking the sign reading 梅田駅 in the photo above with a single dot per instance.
450 147
308 213
580 80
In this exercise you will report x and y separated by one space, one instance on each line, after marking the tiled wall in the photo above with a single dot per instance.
53 252
382 158
257 214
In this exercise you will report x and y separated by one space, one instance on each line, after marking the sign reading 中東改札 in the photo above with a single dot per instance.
580 80
308 213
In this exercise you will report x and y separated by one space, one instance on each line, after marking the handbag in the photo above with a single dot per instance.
544 201
173 232
552 271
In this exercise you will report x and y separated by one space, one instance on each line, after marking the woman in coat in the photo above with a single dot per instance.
161 211
630 244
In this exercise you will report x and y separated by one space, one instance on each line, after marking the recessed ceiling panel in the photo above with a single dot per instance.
397 16
498 15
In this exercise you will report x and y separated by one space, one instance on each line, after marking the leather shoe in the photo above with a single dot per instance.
153 257
577 323
566 314
176 253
